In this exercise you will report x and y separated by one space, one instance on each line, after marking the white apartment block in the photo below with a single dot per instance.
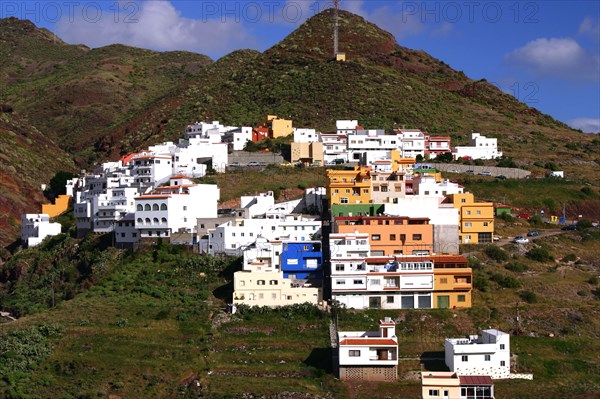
176 207
37 226
240 137
480 147
383 283
126 235
370 145
334 147
488 354
346 126
110 207
411 142
369 355
151 169
237 235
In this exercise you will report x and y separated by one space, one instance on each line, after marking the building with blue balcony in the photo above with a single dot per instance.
302 260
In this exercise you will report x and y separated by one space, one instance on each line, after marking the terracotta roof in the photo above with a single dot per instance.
152 156
475 380
125 159
368 341
150 196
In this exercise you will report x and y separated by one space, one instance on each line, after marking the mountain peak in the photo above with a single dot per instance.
358 38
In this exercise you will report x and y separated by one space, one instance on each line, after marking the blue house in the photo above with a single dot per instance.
302 260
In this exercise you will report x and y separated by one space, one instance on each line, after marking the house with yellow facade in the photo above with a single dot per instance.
452 282
278 127
349 186
476 219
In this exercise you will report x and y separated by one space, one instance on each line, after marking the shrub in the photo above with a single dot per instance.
528 296
593 280
480 282
584 224
539 254
516 267
507 217
506 281
587 191
496 253
475 263
569 258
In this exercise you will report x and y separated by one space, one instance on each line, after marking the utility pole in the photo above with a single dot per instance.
335 26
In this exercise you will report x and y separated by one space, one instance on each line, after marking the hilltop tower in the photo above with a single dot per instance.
336 54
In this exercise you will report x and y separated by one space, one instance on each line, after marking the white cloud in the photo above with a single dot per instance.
587 125
590 27
444 30
557 57
397 23
157 25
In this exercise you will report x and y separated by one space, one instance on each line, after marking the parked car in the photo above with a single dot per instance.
496 238
501 177
235 164
470 172
485 173
520 240
533 233
253 163
570 227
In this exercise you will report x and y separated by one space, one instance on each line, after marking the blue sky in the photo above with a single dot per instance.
545 53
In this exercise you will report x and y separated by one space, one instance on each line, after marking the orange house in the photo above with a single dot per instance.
349 186
390 235
452 282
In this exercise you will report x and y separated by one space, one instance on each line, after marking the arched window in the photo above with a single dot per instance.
163 220
155 221
140 221
155 207
147 207
140 207
147 220
163 207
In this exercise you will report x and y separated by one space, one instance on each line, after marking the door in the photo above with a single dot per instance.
382 354
443 301
446 394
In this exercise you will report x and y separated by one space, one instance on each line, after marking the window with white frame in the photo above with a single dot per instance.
354 353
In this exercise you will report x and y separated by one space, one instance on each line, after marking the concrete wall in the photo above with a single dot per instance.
365 373
244 157
445 239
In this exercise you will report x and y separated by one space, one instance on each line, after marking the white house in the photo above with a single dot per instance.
334 147
488 354
168 209
411 142
369 145
480 147
305 135
424 185
258 205
126 235
35 227
369 356
151 169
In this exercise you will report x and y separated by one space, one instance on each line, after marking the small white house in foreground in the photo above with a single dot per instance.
35 227
488 354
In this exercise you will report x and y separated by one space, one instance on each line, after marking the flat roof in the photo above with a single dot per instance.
368 341
475 380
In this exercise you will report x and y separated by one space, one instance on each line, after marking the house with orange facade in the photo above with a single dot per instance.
349 186
390 235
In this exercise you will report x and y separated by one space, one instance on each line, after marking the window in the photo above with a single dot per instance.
357 281
468 212
147 207
148 221
273 295
375 237
155 207
339 267
444 280
392 237
140 207
487 358
478 212
354 353
340 282
501 346
376 282
260 282
502 363
344 200
464 358
434 392
462 200
390 299
140 221
468 224
485 224
461 298
273 282
163 207
185 208
416 237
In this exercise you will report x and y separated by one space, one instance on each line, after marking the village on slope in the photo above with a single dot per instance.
383 233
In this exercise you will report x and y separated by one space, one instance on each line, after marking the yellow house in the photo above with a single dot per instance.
476 224
60 206
399 163
440 384
349 186
279 127
452 282
270 288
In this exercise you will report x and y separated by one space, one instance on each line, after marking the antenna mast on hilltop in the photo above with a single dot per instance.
335 26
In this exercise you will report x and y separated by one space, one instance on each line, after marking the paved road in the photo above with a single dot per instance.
543 233
511 173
